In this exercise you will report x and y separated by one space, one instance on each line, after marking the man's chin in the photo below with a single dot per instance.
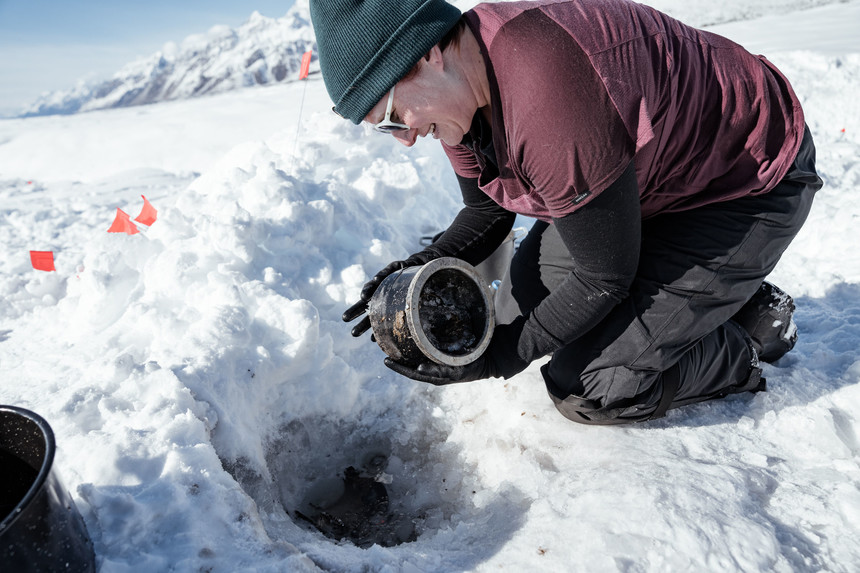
450 141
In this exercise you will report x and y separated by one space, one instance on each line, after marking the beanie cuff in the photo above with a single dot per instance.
406 46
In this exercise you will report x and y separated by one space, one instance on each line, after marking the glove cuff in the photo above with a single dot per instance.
505 357
421 258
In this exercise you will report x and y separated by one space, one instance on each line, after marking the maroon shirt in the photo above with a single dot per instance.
580 87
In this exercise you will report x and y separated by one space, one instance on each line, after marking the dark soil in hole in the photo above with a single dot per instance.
452 311
356 509
348 484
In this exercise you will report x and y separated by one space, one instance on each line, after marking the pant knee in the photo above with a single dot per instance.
615 395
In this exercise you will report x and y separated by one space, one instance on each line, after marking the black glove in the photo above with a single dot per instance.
499 360
440 374
370 287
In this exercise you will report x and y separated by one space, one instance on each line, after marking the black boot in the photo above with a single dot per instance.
767 319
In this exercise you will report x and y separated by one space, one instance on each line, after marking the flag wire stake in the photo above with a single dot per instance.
298 127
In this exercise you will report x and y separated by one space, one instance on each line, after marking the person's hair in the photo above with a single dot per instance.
450 39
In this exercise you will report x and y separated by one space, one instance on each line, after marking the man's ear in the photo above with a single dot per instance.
434 57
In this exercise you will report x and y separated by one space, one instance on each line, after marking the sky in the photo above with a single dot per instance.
47 45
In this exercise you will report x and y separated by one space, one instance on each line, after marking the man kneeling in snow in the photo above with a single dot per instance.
667 167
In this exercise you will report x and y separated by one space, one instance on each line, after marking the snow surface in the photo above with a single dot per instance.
199 379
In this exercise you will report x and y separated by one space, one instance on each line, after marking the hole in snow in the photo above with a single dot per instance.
415 491
362 485
356 484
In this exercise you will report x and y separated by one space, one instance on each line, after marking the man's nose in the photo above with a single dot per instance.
407 136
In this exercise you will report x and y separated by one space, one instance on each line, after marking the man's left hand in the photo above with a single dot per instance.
440 374
501 360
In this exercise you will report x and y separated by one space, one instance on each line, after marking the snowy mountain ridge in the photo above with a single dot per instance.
261 51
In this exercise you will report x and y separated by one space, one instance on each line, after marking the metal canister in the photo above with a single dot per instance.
441 312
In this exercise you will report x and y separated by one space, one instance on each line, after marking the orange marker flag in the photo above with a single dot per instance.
122 224
148 214
306 65
42 260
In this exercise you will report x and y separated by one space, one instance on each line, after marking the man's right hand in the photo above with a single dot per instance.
367 291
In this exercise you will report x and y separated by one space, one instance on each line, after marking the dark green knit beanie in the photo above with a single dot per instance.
367 46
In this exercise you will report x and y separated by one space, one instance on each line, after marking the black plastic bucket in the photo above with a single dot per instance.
441 311
40 527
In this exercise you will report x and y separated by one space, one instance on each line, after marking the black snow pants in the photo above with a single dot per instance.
671 342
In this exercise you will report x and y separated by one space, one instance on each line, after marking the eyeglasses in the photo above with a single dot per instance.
386 125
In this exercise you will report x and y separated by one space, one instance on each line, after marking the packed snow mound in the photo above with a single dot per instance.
261 51
201 380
